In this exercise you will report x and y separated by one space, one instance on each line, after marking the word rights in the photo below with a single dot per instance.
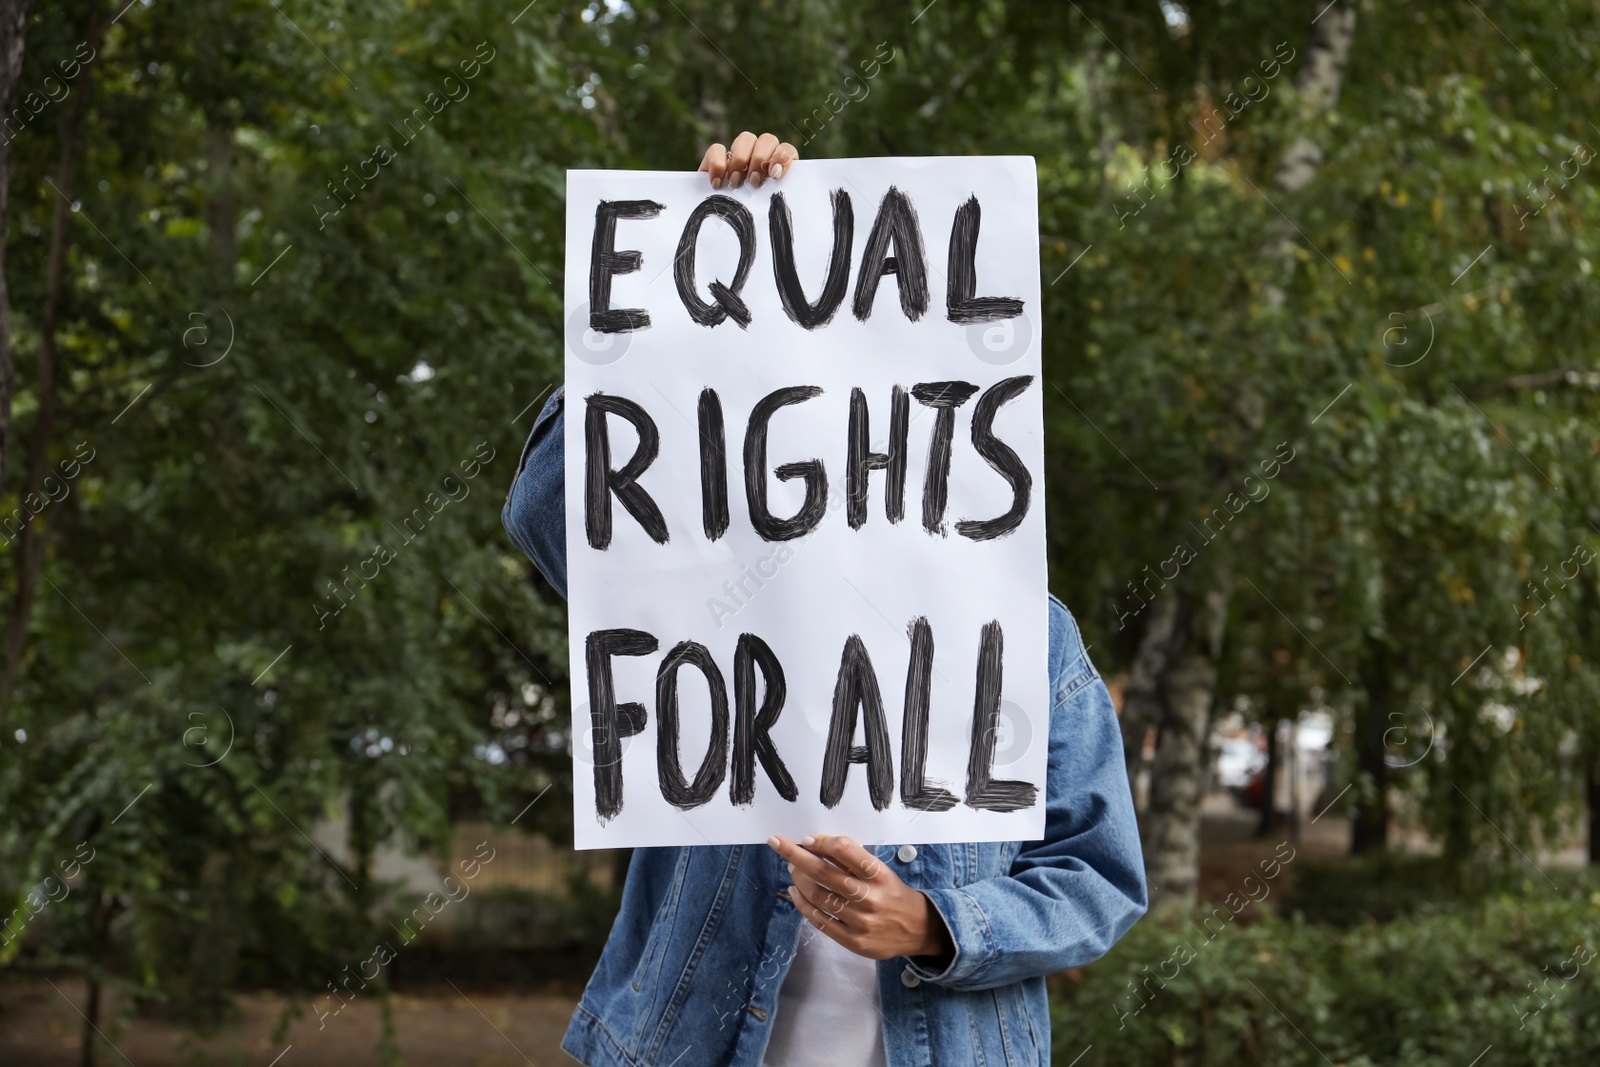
805 532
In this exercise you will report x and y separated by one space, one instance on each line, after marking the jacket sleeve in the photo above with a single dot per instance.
535 515
1068 898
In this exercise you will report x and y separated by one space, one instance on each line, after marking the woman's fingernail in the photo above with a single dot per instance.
773 843
791 868
777 171
808 841
716 183
736 180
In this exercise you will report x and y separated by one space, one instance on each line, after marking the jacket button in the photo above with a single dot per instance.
907 979
906 854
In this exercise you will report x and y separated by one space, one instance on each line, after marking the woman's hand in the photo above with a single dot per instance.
751 157
850 895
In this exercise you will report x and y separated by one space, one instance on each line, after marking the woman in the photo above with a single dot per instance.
822 952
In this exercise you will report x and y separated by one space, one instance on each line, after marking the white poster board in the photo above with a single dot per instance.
804 504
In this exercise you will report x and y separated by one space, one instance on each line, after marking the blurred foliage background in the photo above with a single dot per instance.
279 298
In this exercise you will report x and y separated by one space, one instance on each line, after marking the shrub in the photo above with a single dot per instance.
1433 990
1391 886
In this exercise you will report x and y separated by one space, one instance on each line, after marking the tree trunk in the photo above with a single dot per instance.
1369 829
1296 772
91 1023
217 926
1462 815
13 31
100 917
1318 81
222 208
1188 686
1141 697
1268 821
30 541
1172 833
1592 796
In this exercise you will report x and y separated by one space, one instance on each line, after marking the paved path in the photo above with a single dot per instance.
40 1028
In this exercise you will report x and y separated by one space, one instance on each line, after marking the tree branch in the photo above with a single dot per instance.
13 30
30 540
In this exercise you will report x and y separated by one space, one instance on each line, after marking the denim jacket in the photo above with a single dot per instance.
691 971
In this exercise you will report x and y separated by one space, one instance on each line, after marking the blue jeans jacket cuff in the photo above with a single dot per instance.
976 947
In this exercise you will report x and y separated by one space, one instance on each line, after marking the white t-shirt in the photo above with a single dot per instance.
829 1013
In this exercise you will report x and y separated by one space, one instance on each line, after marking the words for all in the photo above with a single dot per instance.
856 697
